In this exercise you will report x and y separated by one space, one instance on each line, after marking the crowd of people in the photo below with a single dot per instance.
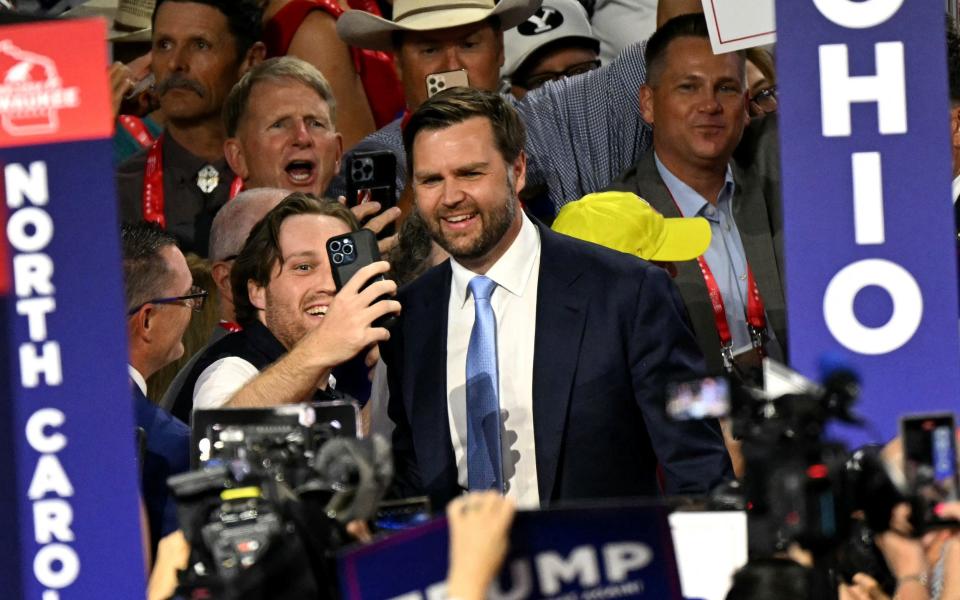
522 360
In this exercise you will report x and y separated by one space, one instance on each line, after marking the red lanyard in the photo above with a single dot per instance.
756 314
230 326
153 186
135 127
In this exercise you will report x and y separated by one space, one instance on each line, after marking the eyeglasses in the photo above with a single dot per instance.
535 81
764 101
192 300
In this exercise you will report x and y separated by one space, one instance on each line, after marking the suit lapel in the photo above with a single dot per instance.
753 223
426 402
561 314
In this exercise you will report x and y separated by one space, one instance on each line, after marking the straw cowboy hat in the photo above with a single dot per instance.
364 30
127 20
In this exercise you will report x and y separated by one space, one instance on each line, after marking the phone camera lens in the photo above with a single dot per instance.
337 258
335 246
347 248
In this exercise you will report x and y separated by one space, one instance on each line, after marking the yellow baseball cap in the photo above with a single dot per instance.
623 221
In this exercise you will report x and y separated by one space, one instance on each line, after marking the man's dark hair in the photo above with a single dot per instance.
764 578
953 60
145 272
411 256
688 25
456 105
244 18
261 253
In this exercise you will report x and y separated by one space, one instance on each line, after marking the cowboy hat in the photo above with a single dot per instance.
364 30
127 20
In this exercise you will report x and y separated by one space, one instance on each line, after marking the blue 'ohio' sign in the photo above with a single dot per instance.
69 478
568 553
871 266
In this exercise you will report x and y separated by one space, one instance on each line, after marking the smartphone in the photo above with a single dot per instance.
930 462
372 177
707 398
406 513
437 82
350 252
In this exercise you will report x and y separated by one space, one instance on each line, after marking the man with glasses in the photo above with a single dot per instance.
230 229
160 298
555 42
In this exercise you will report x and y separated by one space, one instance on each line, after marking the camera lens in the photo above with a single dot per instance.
347 248
335 246
337 258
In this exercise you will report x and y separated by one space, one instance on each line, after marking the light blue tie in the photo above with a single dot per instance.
484 466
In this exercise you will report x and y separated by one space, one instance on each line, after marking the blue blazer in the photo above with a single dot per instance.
611 332
167 454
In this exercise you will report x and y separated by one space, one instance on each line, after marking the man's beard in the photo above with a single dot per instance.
285 325
492 231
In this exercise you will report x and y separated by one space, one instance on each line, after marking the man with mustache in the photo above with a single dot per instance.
697 104
201 48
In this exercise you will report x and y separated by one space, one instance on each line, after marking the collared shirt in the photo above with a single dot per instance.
137 379
188 210
956 188
582 131
514 302
725 256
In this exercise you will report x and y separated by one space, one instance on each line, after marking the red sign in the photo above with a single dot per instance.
49 89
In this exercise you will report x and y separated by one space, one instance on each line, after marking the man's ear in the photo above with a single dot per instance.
234 155
257 294
220 271
336 168
520 171
646 103
141 323
255 55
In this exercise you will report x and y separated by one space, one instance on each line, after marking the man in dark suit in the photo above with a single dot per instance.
530 363
697 104
159 296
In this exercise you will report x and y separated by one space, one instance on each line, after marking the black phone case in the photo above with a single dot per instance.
350 252
374 171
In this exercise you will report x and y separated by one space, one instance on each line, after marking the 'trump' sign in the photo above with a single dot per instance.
868 224
69 505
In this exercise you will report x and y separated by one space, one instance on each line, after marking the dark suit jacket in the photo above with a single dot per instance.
756 210
167 454
610 333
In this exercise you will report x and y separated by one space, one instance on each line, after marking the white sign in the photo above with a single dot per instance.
739 24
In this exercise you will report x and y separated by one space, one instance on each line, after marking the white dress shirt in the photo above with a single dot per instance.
137 378
514 302
956 189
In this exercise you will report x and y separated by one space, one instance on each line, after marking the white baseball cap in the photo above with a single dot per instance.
554 20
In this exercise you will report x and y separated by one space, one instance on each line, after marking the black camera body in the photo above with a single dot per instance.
266 513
